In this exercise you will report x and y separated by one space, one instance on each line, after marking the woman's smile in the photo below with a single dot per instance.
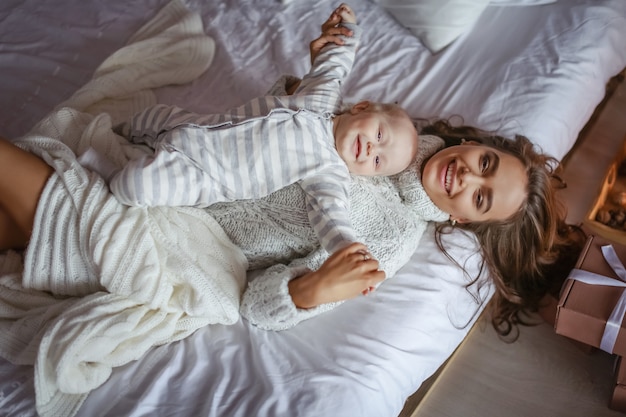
448 176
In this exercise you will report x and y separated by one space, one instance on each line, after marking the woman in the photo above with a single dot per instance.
540 249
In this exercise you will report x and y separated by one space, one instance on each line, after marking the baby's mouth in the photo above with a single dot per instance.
358 147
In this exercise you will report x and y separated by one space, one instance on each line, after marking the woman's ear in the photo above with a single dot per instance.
456 220
359 107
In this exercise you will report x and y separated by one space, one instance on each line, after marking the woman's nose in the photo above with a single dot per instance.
468 177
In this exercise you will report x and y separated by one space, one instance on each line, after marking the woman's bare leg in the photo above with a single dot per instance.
22 178
11 236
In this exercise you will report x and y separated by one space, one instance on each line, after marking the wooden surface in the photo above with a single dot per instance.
541 374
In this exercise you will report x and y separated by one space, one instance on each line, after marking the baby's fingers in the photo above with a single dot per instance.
333 20
346 13
337 31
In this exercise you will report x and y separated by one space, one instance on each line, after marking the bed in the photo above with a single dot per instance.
537 68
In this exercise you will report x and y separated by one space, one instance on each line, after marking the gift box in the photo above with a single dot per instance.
618 400
592 302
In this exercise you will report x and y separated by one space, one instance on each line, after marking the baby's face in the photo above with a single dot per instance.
375 142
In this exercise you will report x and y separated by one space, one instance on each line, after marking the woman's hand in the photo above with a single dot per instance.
346 274
331 31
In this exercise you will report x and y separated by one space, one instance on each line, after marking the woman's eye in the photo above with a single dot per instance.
479 199
484 163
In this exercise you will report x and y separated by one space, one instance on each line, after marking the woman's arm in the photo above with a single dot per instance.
283 296
346 274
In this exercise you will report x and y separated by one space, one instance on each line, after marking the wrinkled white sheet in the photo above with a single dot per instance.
536 70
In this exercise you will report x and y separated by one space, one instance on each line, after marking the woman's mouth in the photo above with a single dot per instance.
448 176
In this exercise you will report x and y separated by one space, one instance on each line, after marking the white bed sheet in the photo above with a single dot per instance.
537 70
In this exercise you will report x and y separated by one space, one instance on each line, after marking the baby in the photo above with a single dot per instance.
272 142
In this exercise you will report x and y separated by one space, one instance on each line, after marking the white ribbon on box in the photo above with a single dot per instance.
614 323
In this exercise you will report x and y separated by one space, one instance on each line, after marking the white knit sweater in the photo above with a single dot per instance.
389 215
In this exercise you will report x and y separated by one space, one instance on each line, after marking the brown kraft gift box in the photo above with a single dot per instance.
584 309
618 400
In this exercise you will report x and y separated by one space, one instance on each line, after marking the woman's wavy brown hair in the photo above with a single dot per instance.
531 253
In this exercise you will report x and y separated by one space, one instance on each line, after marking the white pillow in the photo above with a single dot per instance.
437 23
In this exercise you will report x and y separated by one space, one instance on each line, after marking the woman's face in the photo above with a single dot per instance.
474 182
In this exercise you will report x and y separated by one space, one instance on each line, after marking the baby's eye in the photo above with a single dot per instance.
379 135
377 161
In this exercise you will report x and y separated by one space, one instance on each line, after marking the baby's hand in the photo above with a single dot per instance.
346 13
331 32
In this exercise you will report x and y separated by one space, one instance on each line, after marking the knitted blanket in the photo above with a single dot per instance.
101 283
